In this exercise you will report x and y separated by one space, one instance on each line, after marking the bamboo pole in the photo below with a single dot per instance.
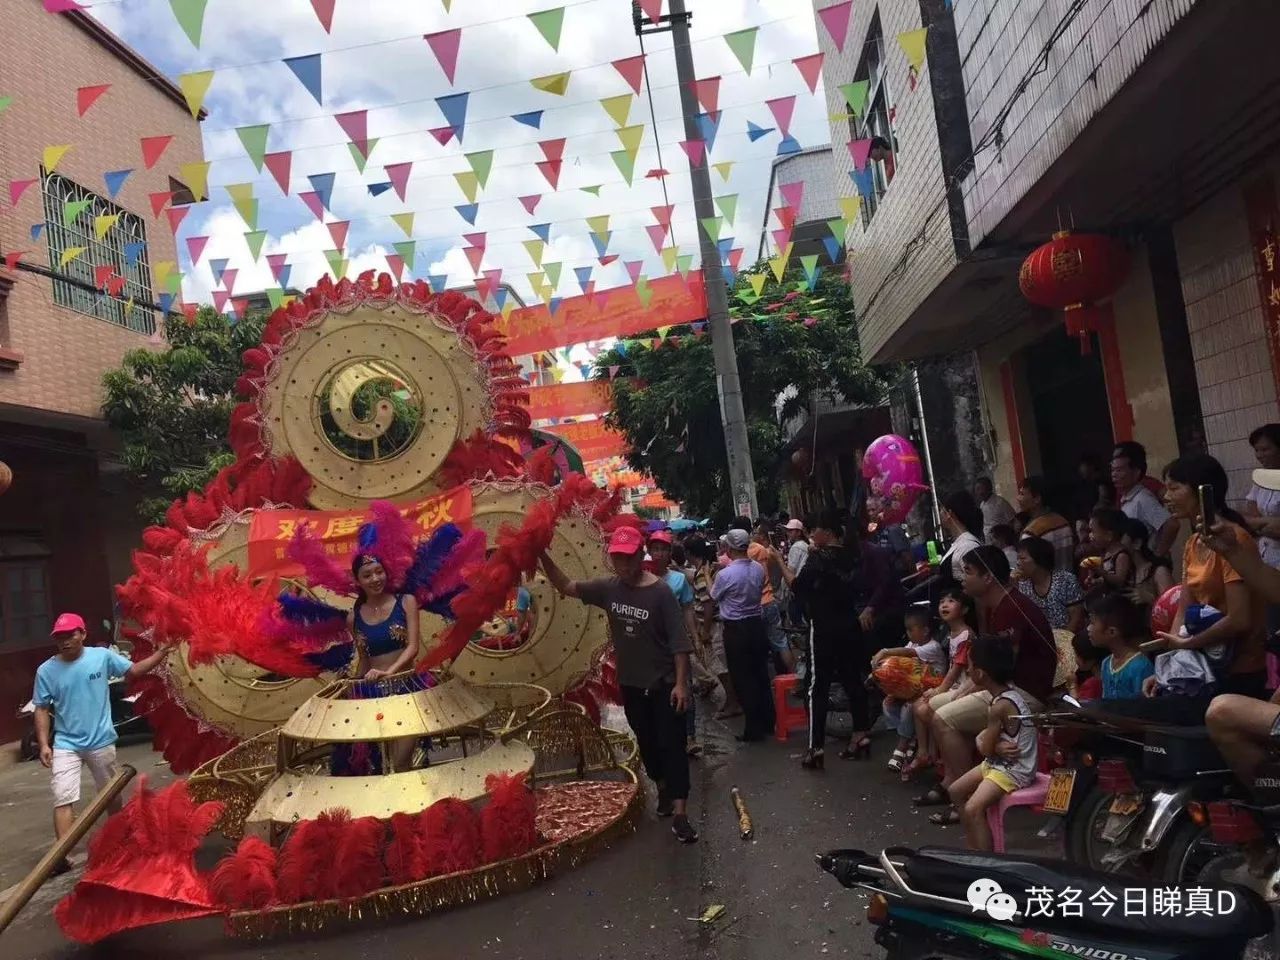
37 877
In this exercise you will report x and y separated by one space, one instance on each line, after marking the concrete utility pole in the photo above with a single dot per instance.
737 447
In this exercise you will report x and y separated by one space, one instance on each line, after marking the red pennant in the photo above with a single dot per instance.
663 214
189 310
229 279
159 200
324 13
86 97
652 9
633 269
735 258
708 93
553 149
195 247
313 202
12 257
176 215
17 188
276 262
810 68
153 148
280 164
657 173
396 263
658 234
115 285
781 236
240 306
398 174
442 134
632 70
101 273
338 231
696 149
786 216
474 256
551 170
608 259
601 299
220 298
356 126
531 202
475 239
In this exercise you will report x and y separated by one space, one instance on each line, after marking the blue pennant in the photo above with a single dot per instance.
542 231
621 347
285 272
115 180
132 251
36 229
322 184
584 275
378 189
454 108
725 244
789 145
166 303
601 242
468 212
308 70
864 180
833 248
438 282
531 119
218 268
709 126
500 297
553 305
755 131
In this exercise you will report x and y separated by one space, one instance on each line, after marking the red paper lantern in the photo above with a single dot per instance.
6 476
1073 273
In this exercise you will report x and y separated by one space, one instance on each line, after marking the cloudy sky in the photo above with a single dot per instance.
376 59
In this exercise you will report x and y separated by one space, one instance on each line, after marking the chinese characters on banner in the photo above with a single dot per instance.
1260 207
560 400
271 530
592 439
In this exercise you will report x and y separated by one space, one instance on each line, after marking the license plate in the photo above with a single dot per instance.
1126 804
1058 797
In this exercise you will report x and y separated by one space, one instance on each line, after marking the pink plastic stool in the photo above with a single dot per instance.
786 718
1032 796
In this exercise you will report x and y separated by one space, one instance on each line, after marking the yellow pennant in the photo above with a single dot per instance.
248 210
723 169
196 177
404 221
669 255
912 43
630 138
103 224
554 83
779 264
849 207
70 254
619 107
535 249
599 225
162 270
757 281
469 183
53 156
507 308
239 192
195 87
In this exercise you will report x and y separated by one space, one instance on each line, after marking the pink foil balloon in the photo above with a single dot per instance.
892 466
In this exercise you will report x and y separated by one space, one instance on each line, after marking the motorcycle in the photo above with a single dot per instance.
937 903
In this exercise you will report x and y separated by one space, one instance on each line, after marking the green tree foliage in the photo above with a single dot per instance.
667 405
173 407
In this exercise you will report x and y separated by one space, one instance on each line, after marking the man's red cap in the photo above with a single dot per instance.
626 540
662 536
67 623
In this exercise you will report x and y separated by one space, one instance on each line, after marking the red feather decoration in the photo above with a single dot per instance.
247 878
319 566
451 841
397 539
508 825
355 865
403 858
307 857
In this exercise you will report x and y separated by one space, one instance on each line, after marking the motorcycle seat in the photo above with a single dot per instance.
948 872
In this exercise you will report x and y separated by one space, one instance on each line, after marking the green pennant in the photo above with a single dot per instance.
190 16
809 263
728 206
408 251
255 142
255 239
552 270
5 103
685 263
743 45
626 163
594 191
361 157
630 137
337 265
712 226
481 163
174 283
855 94
549 24
71 210
643 291
747 297
275 297
838 228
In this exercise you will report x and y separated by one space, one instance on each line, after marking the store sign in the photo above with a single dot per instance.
1264 223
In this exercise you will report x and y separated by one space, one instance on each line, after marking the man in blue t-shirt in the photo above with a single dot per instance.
74 684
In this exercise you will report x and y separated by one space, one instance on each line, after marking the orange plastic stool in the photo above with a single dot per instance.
786 717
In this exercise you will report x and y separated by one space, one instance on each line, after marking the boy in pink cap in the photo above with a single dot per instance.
73 683
652 646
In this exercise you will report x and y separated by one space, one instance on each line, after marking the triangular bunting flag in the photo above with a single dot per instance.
322 184
324 13
912 43
176 215
633 269
850 207
132 251
481 163
313 202
601 241
355 125
556 84
337 263
724 169
395 263
535 250
530 203
86 97
69 254
196 177
709 126
404 221
786 216
398 174
599 224
584 276
275 261
652 9
728 206
195 87
626 163
779 263
551 170
542 230
552 270
832 246
712 227
152 149
468 212
757 282
360 152
442 134
255 142
669 256
475 239
255 239
407 250
696 150
836 21
788 146
310 72
632 70
52 156
190 16
445 46
378 189
631 137
454 108
36 230
792 193
280 164
619 107
810 68
855 94
531 119
158 201
549 24
859 150
743 45
468 183
338 231
658 234
708 93
438 282
195 248
115 180
17 188
755 131
102 225
783 108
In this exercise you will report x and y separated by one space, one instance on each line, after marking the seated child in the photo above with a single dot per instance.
1116 625
1006 538
1010 745
921 646
1113 570
959 621
1088 664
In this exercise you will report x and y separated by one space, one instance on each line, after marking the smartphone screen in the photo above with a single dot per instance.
1208 513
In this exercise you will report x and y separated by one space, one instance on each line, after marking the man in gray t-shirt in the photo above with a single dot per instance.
652 648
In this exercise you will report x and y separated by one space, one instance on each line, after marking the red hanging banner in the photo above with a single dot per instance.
592 439
560 400
1264 221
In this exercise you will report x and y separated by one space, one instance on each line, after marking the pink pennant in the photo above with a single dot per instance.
633 269
276 262
531 202
442 134
86 97
551 170
859 150
158 201
657 173
735 258
786 216
696 149
338 231
613 370
280 164
195 247
17 188
474 256
810 68
658 234
663 215
101 274
793 193
475 239
12 257
189 310
176 216
398 174
324 13
708 93
229 278
836 20
356 126
396 263
494 275
220 298
632 70
445 46
240 306
781 236
600 299
553 149
313 202
782 109
608 259
589 288
652 9
484 287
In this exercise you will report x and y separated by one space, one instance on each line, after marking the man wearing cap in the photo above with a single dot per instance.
738 589
73 683
797 554
652 646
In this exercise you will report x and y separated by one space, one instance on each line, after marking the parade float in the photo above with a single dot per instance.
380 420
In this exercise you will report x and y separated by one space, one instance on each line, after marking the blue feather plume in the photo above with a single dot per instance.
334 658
306 611
367 537
443 605
429 559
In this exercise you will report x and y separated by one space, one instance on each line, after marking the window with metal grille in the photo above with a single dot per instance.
123 247
25 615
875 118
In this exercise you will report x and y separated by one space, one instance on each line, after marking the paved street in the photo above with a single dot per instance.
634 901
